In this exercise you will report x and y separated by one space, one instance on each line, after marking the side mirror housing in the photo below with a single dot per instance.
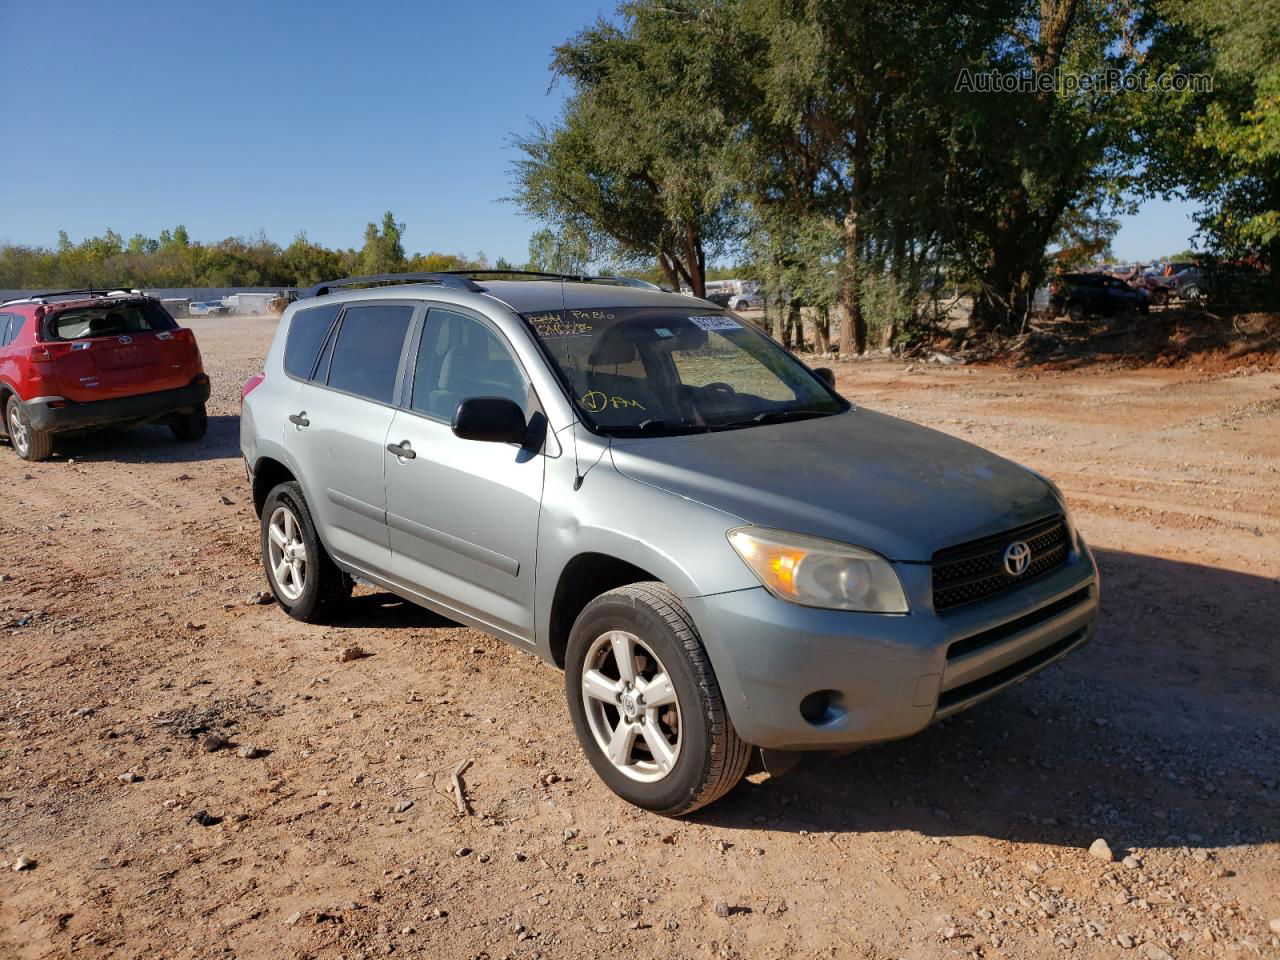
490 420
826 375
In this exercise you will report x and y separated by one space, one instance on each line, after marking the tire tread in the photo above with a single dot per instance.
728 755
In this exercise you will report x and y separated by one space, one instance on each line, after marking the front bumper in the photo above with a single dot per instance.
889 676
100 413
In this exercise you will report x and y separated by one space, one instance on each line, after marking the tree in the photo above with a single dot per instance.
636 163
567 252
1020 159
383 250
1219 145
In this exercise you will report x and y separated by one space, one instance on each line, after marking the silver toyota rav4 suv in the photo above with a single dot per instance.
644 490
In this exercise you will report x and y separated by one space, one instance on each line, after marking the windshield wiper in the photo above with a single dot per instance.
778 416
659 425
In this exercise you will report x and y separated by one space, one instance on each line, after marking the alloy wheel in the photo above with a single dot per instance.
632 707
287 553
18 434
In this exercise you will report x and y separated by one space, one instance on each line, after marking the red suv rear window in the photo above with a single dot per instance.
107 320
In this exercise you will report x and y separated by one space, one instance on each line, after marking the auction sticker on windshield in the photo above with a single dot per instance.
719 322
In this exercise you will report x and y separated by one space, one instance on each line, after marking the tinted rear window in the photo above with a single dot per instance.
109 320
366 355
306 336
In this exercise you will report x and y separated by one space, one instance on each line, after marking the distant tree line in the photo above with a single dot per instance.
173 259
835 148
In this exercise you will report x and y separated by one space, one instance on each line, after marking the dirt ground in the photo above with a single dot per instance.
128 632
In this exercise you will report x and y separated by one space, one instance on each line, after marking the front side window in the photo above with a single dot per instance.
366 355
460 357
638 370
6 330
307 331
109 320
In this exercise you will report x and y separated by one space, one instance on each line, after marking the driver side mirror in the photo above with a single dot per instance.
490 420
826 375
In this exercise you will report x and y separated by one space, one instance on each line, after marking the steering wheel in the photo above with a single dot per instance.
719 386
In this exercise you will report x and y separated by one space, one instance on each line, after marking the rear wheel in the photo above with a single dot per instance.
191 426
306 582
1076 311
646 705
29 443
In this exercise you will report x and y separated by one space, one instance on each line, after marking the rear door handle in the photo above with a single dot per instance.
402 450
299 419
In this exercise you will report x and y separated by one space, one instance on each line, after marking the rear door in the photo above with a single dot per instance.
119 349
337 426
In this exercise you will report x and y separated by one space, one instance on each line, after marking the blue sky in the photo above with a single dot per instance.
285 115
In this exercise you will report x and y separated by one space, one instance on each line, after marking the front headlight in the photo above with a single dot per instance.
819 573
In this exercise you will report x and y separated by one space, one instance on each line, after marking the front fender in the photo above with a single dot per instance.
679 541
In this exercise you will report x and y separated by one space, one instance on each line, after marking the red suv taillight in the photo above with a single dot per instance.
46 352
252 384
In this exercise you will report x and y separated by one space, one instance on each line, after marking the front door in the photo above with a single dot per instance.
462 514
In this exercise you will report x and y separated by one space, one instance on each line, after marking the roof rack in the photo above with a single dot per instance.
443 279
117 292
530 274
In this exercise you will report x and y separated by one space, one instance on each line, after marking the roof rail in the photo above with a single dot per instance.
443 279
531 274
117 292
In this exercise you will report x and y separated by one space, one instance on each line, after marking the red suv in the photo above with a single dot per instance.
91 358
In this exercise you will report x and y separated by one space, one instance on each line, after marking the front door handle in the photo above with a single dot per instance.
299 419
402 450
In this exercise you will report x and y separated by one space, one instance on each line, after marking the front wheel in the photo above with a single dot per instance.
28 443
306 582
191 426
646 705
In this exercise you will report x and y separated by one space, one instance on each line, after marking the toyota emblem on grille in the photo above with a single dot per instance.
126 340
1017 557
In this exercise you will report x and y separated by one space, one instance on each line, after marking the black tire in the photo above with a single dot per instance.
35 445
190 426
1076 311
712 758
325 587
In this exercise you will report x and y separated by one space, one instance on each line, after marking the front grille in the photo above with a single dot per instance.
975 570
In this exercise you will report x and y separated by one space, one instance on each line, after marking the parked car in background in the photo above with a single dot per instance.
208 308
1187 281
81 359
1080 295
1159 287
606 477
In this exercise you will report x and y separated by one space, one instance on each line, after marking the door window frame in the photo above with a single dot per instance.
328 347
532 405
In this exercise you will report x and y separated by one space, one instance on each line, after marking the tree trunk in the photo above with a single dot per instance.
779 321
795 327
669 270
853 329
822 331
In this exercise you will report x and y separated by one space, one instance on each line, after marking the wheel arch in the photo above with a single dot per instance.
586 576
268 473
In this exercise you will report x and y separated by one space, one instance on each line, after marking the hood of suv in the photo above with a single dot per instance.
858 477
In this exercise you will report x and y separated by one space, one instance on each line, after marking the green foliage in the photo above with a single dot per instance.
636 164
1220 147
566 252
174 260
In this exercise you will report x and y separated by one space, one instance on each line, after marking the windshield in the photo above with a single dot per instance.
640 370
